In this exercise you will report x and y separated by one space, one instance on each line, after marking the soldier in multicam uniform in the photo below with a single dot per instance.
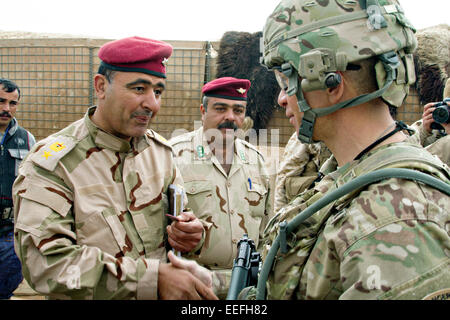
225 178
90 200
339 65
301 163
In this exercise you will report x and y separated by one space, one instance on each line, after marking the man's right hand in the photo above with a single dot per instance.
180 284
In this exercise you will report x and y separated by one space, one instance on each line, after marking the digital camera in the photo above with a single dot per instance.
441 114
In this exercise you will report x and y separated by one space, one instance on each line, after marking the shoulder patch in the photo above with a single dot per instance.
48 155
160 138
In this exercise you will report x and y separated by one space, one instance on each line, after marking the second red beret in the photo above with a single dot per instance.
227 88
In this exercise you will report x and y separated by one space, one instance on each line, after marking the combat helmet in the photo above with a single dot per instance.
315 38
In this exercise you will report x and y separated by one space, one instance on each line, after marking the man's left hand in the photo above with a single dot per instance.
186 233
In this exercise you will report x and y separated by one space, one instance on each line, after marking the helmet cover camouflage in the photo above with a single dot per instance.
321 36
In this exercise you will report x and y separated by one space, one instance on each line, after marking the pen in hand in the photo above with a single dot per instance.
172 217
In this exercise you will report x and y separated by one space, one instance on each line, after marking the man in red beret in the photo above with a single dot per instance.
225 178
90 200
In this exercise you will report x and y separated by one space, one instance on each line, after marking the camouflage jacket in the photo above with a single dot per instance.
89 212
435 142
389 240
298 169
229 205
421 136
441 148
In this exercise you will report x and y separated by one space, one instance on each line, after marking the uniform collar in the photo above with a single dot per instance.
203 152
10 130
13 125
106 140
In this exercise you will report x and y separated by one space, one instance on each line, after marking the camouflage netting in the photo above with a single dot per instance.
432 60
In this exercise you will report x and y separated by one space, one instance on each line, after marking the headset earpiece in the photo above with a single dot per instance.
332 80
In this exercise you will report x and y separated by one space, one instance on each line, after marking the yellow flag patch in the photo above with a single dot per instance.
57 146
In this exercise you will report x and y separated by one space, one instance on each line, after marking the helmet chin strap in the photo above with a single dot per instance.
390 62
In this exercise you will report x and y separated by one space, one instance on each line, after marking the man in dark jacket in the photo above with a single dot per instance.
15 144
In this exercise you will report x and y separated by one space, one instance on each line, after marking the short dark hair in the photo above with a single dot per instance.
107 72
205 102
9 86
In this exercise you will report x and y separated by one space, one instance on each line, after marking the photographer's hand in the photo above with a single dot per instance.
446 125
427 116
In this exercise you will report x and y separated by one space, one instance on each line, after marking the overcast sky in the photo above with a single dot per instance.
168 19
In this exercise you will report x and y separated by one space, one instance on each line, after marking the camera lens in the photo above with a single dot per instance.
442 113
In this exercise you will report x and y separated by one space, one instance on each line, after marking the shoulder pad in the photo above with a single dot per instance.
400 155
52 151
159 138
250 146
186 137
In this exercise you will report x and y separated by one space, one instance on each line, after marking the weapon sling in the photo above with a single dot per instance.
355 184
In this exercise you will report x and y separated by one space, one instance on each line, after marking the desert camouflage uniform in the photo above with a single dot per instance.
89 212
388 241
230 205
298 170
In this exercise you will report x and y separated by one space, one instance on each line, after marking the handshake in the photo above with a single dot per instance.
183 279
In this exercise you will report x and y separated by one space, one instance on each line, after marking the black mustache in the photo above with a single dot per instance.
5 114
142 113
228 125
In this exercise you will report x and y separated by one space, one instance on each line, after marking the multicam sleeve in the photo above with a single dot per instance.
401 255
394 265
52 261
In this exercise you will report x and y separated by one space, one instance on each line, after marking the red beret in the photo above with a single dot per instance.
227 88
136 54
